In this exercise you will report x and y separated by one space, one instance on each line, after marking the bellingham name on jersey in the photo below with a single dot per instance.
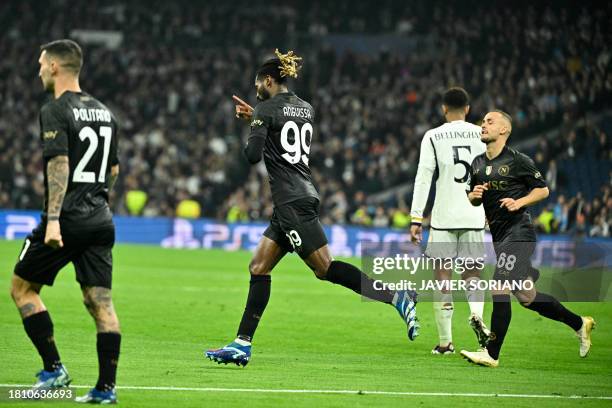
447 153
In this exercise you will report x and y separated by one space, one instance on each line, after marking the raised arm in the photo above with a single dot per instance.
260 124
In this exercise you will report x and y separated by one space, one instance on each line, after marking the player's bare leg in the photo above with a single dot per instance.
326 268
99 304
267 254
548 306
39 328
349 276
26 296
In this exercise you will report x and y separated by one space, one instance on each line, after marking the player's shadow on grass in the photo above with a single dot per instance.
222 367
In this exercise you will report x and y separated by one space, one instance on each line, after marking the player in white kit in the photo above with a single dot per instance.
457 227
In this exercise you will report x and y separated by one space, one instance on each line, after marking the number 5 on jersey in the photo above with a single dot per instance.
82 176
300 148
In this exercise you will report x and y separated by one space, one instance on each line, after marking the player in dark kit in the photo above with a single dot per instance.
506 182
79 141
282 129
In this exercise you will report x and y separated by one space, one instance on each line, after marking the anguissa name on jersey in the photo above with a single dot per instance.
91 115
297 112
457 135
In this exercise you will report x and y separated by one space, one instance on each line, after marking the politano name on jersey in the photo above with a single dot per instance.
79 126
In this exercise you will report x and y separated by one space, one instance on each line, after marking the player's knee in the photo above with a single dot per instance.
321 268
258 268
89 306
320 274
15 294
20 289
524 298
103 313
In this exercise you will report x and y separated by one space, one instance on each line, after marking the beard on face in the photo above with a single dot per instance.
486 139
48 85
263 94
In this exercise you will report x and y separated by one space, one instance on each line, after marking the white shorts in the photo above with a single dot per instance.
455 244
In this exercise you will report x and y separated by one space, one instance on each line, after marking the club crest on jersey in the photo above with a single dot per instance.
256 122
488 170
504 170
51 134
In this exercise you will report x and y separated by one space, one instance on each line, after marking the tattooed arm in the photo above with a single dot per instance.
57 183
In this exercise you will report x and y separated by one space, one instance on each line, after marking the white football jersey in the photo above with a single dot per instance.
449 149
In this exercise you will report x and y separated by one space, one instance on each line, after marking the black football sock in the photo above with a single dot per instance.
39 328
259 294
500 321
108 345
550 307
349 276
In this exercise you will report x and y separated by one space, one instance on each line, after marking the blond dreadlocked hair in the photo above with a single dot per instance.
289 64
282 67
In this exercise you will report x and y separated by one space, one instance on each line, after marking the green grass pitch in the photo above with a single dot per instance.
173 304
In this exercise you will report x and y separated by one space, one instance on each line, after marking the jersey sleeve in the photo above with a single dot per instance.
471 181
528 172
260 124
422 182
54 131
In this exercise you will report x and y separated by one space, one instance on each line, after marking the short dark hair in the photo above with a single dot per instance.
68 51
504 114
456 98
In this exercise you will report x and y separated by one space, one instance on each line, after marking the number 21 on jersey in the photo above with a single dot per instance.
300 148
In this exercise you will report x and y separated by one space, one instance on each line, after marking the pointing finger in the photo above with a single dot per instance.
241 102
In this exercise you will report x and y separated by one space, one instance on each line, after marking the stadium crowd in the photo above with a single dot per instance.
170 83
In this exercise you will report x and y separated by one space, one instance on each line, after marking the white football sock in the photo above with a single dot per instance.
474 297
242 342
443 311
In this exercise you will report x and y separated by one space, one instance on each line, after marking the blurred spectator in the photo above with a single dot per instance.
172 76
544 222
400 218
551 176
561 214
188 209
380 217
361 217
135 201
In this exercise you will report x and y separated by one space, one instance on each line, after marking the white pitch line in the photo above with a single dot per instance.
350 392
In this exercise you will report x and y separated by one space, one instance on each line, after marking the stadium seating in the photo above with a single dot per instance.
171 78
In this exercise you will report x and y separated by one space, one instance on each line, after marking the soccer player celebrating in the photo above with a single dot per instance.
506 182
457 228
79 144
282 130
